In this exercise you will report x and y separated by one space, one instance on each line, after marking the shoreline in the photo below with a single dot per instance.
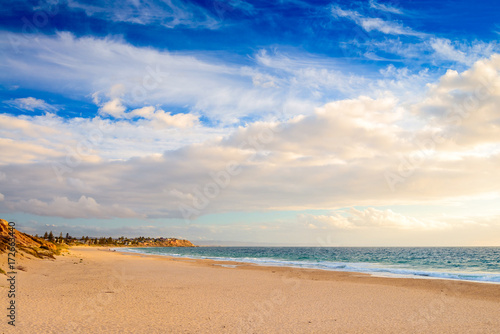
106 291
371 274
323 274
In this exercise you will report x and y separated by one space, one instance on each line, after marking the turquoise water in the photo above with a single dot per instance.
481 264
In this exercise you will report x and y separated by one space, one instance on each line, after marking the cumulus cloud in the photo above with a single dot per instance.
47 138
161 119
114 108
144 112
31 104
465 105
155 118
336 133
335 156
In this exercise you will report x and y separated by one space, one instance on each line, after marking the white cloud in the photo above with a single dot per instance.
310 78
31 104
465 105
444 49
332 157
386 27
194 82
114 108
2 197
144 112
350 14
460 52
162 119
46 138
277 84
385 8
375 23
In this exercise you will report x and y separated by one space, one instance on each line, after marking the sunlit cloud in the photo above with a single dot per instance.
359 151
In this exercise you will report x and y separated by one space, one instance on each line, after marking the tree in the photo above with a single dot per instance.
46 235
67 236
51 237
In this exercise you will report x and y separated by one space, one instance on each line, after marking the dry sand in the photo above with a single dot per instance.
94 290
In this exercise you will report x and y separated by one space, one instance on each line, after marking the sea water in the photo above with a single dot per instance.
479 264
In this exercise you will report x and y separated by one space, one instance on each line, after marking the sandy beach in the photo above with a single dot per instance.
92 290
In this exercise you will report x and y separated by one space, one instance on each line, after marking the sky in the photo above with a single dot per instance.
318 123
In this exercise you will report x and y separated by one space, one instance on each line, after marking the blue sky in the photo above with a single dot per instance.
270 122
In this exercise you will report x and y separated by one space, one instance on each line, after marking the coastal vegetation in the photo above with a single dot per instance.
115 242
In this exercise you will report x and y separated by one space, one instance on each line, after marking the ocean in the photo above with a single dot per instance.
478 264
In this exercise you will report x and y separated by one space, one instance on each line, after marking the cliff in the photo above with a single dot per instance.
171 242
26 243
